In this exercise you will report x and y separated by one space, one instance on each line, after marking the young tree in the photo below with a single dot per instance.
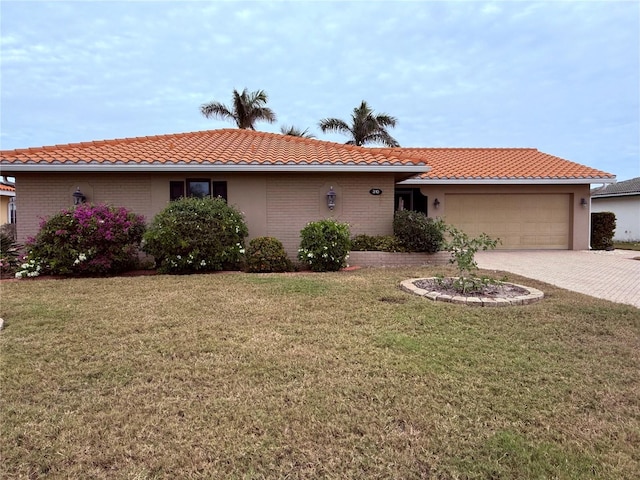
365 127
247 109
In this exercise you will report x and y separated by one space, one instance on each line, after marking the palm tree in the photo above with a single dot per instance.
365 127
247 109
296 132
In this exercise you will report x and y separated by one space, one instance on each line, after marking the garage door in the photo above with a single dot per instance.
520 221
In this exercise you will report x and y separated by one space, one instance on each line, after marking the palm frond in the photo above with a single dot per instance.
216 110
334 125
296 132
366 127
248 108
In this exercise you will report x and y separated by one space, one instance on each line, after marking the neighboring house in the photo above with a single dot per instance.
281 182
623 199
7 202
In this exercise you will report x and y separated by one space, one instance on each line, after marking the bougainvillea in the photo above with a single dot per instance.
85 240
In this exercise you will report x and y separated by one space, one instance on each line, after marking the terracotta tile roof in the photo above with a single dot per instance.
498 164
7 188
211 148
234 149
626 187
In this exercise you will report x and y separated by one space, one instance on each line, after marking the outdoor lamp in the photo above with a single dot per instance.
331 198
583 202
436 203
78 197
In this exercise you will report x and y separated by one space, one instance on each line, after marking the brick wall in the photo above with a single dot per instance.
40 195
388 259
292 200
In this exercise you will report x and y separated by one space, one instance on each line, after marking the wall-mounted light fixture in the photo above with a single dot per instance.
583 202
436 203
78 197
331 198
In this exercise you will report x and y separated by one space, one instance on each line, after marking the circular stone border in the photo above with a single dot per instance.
533 296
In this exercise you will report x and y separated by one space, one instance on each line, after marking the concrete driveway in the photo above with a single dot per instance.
611 275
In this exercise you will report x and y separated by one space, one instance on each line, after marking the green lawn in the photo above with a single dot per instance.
338 376
627 245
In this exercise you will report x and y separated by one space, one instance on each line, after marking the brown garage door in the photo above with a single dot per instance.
520 221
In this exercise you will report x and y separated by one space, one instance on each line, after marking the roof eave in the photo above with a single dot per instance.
611 195
506 181
181 167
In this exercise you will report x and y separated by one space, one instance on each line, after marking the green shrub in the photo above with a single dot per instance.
196 234
417 232
325 245
266 254
603 226
9 253
378 243
85 240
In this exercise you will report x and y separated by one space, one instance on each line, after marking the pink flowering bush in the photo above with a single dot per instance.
85 240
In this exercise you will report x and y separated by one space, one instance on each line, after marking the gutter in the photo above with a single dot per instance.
181 167
508 181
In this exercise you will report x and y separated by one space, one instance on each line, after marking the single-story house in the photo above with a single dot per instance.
623 199
528 198
7 202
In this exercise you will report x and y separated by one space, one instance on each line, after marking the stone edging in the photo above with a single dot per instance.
534 295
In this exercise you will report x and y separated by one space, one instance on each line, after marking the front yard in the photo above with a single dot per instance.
335 375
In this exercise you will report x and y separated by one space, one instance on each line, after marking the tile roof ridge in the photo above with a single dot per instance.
110 141
466 148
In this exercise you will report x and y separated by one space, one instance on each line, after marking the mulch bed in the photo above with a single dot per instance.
498 290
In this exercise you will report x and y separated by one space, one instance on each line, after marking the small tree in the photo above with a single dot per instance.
463 250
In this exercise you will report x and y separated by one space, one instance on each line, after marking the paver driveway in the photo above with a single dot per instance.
612 275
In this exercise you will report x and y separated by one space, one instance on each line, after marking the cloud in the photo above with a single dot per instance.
454 73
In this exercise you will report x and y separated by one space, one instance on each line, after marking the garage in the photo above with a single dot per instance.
521 221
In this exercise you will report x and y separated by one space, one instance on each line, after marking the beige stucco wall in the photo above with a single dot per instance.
274 204
4 208
579 216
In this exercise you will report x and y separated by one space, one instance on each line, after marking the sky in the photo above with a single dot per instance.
559 76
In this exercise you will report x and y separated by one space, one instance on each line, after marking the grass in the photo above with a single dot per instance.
627 245
333 376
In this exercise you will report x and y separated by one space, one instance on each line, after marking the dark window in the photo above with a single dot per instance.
176 190
12 210
198 188
220 189
411 199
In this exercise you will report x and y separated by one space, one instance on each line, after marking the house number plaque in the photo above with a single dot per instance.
375 191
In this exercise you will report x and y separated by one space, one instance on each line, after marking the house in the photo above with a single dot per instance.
623 199
281 182
527 198
7 201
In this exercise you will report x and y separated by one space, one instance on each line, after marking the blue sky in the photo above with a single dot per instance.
559 76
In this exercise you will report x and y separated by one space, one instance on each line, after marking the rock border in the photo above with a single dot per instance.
533 296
